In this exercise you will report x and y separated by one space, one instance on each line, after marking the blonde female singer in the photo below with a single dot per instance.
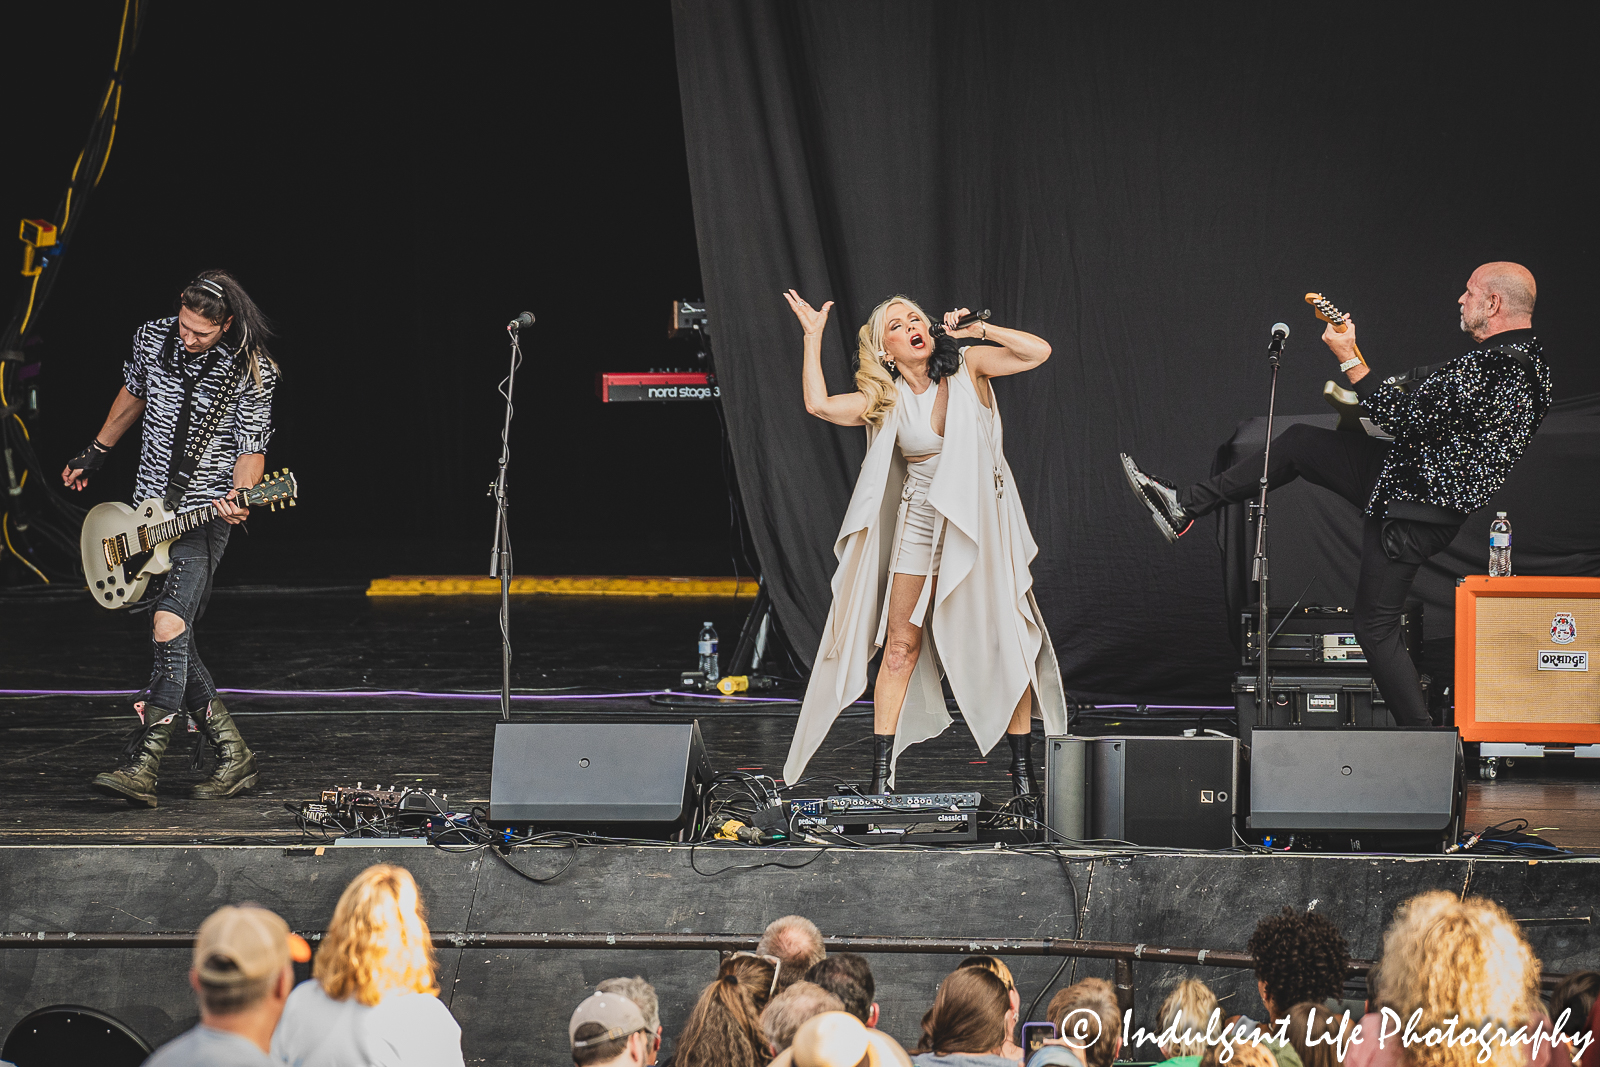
934 549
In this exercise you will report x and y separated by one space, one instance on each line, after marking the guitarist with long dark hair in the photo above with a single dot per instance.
203 381
1458 427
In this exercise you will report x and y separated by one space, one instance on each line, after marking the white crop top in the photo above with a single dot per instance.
916 436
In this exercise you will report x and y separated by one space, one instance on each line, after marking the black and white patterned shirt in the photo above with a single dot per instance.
246 430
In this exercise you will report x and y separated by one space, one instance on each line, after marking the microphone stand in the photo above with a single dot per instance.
1258 566
500 554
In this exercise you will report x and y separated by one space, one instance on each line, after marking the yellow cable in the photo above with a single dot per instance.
112 139
5 521
121 33
26 315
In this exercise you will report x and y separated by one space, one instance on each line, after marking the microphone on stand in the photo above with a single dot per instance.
526 319
1280 334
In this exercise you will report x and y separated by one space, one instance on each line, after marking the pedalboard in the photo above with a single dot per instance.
912 818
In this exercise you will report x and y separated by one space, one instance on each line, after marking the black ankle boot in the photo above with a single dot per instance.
1024 779
882 751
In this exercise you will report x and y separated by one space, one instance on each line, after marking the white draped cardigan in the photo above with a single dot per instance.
991 638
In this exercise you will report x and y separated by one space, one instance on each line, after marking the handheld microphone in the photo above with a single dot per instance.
523 320
1280 334
966 320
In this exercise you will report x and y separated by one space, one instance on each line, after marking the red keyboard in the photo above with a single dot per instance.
656 385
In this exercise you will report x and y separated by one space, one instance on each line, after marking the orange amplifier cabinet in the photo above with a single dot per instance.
1528 659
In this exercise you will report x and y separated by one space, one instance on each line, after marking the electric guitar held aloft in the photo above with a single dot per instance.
1345 401
124 547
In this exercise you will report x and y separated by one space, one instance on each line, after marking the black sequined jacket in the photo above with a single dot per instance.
1458 427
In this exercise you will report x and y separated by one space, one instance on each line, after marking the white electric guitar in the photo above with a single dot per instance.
123 547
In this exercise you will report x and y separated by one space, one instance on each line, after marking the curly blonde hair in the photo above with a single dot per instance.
378 941
873 379
1465 958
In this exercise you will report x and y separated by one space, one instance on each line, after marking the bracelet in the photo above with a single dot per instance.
985 335
1353 361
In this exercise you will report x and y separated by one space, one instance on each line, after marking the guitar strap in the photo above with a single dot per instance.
187 446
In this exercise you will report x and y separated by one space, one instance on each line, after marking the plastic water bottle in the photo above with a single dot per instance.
708 654
1499 546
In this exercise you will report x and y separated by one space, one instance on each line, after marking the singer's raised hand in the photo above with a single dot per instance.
952 318
812 320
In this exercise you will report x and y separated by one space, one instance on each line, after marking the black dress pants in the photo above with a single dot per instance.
1392 550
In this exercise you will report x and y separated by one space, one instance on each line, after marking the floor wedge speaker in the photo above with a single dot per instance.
1354 780
619 779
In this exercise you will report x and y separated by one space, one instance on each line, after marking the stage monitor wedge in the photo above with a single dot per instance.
1355 780
618 779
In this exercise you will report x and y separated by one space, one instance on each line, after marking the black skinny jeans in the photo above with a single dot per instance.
1392 550
178 680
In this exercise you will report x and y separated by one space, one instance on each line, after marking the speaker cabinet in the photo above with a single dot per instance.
619 779
1523 659
1356 780
1164 791
1066 778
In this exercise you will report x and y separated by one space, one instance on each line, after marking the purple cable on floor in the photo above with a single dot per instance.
334 694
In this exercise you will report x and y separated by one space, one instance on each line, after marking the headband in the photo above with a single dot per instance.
211 287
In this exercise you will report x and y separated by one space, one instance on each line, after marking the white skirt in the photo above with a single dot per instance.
914 550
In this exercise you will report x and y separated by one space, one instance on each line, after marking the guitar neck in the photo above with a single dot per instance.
179 525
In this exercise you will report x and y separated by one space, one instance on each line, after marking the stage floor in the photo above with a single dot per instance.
567 647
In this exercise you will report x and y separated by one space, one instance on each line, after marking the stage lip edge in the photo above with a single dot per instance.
564 585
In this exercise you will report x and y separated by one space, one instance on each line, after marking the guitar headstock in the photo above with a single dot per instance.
1327 312
277 488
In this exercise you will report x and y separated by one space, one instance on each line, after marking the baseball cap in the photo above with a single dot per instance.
239 945
619 1015
839 1039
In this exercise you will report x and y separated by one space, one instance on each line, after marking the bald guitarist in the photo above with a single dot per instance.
1458 427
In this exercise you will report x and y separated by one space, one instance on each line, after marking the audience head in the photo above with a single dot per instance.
1189 1006
848 976
796 941
1449 957
1313 1030
1298 956
643 995
1575 994
378 942
607 1029
971 1013
724 1029
243 963
997 967
1245 1054
790 1010
838 1039
1093 995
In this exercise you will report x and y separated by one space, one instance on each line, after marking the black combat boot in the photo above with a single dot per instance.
236 764
882 752
135 781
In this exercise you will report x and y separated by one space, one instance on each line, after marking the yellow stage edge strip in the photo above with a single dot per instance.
562 585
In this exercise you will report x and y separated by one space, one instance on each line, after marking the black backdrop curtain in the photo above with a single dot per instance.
1148 187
